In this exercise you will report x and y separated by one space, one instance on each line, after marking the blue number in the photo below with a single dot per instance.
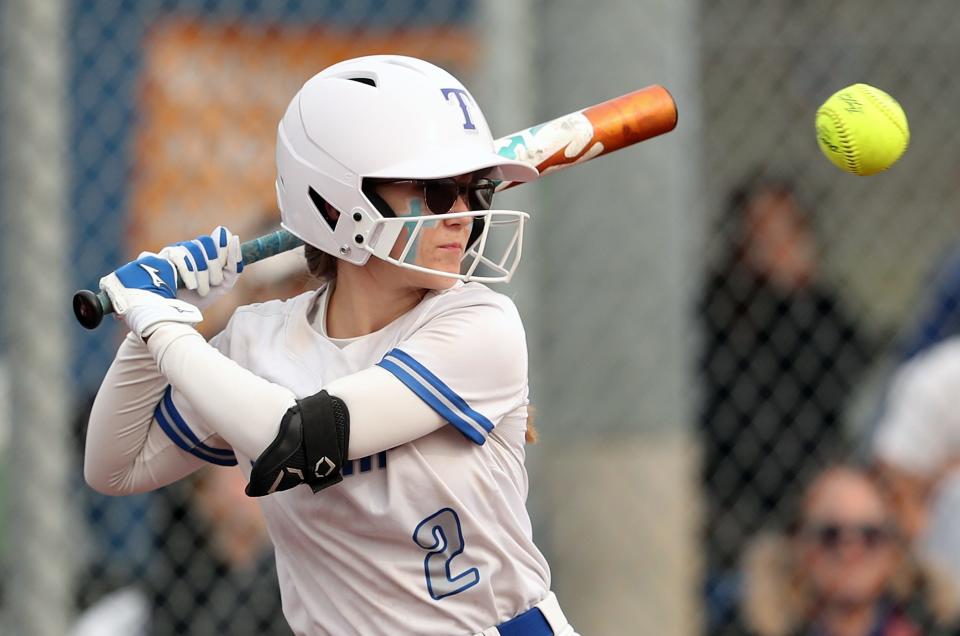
440 533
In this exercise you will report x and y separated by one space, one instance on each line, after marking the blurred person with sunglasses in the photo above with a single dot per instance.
842 569
381 419
780 354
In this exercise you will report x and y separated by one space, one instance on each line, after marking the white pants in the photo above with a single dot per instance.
551 611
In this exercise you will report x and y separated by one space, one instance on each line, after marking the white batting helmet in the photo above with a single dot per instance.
383 117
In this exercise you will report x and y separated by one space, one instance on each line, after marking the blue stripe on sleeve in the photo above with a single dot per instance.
185 428
445 390
218 456
427 396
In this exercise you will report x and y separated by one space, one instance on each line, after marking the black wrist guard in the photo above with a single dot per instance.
310 448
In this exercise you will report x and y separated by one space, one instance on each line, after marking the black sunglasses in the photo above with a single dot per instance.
440 195
830 536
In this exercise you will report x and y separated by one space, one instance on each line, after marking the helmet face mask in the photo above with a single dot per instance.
391 118
492 256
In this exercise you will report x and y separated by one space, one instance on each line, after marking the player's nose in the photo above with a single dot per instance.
458 226
459 206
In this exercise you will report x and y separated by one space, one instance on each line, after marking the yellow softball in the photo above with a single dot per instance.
862 130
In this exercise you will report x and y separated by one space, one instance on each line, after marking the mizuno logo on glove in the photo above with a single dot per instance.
155 276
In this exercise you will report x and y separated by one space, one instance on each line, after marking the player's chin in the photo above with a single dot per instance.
437 281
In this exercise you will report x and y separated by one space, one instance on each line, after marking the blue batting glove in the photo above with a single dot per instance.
149 273
208 265
143 294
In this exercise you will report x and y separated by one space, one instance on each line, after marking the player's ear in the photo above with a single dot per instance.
331 213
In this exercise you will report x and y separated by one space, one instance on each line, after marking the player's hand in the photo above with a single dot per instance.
143 293
207 265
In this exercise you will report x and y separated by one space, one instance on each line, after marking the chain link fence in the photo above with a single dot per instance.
815 284
712 316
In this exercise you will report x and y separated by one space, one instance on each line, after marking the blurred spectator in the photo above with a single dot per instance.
914 443
217 574
917 447
221 559
779 356
842 570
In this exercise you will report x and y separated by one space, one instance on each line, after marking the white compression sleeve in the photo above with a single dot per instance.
384 413
125 453
241 407
245 410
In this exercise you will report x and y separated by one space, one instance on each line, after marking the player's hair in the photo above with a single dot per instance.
531 436
321 265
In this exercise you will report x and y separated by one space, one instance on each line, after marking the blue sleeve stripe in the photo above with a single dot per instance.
165 425
223 457
185 428
458 402
196 452
424 393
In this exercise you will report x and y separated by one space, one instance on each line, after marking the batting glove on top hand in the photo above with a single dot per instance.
143 294
208 265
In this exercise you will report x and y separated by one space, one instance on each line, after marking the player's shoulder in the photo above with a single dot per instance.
266 317
259 325
472 296
490 318
272 308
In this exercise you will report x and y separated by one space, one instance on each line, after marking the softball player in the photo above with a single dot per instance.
380 418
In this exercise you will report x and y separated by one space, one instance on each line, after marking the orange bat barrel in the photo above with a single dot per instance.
632 118
593 131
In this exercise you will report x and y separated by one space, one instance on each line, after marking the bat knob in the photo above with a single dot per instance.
87 308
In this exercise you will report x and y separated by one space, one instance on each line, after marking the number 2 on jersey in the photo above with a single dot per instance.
440 533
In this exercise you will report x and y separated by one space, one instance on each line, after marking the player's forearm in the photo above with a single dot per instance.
239 406
125 453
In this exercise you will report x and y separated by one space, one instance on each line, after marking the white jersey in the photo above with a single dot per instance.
431 537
